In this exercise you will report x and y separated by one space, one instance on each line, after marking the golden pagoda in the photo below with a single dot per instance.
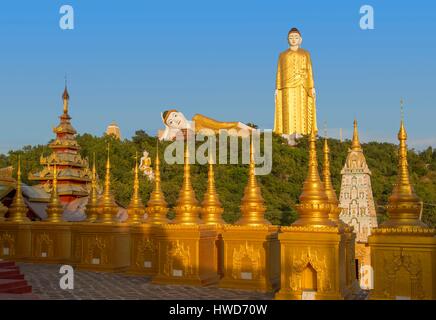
212 209
136 209
73 171
144 252
92 205
18 209
313 249
350 236
104 244
251 247
51 238
403 248
157 207
187 208
107 208
186 246
15 237
55 207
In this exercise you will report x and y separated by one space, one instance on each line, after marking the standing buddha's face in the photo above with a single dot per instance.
294 39
177 120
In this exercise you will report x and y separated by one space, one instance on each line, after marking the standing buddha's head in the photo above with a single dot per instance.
294 37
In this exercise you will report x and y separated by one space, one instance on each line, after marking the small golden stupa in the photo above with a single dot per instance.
92 206
157 207
403 248
251 247
107 208
212 209
136 209
187 208
313 249
187 252
18 209
55 207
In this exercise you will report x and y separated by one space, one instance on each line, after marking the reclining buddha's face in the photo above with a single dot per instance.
176 120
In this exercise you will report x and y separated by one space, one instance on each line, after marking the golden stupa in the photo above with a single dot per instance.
107 208
55 207
92 205
251 246
15 236
403 248
18 209
313 249
157 207
186 245
136 209
144 247
212 209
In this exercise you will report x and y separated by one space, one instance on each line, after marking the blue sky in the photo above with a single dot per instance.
129 60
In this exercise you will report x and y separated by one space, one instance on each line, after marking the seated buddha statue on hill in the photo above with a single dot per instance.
175 122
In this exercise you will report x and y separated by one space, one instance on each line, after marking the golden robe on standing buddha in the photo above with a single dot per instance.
295 94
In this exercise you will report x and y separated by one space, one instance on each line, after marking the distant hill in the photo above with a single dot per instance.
281 188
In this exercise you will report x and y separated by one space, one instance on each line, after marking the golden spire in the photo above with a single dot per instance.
55 208
18 209
355 143
92 206
314 204
157 207
65 97
107 207
328 186
187 209
136 209
211 206
404 206
252 206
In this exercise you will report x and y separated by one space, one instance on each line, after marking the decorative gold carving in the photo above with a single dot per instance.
97 248
146 247
247 259
136 209
412 264
7 240
43 244
178 258
306 259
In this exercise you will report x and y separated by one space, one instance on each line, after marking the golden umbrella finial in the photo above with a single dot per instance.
92 206
65 97
108 209
314 204
328 186
187 209
404 206
253 205
211 206
55 208
355 143
18 209
157 207
136 209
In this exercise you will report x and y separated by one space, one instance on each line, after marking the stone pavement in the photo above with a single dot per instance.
44 280
112 286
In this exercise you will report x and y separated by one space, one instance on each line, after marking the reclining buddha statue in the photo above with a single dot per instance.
175 122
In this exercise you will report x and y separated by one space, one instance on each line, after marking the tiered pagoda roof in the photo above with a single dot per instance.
74 175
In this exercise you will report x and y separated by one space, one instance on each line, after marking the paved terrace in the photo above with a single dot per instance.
111 286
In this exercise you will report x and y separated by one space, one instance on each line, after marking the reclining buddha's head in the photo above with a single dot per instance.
174 119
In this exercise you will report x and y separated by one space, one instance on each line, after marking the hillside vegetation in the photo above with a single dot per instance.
280 189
